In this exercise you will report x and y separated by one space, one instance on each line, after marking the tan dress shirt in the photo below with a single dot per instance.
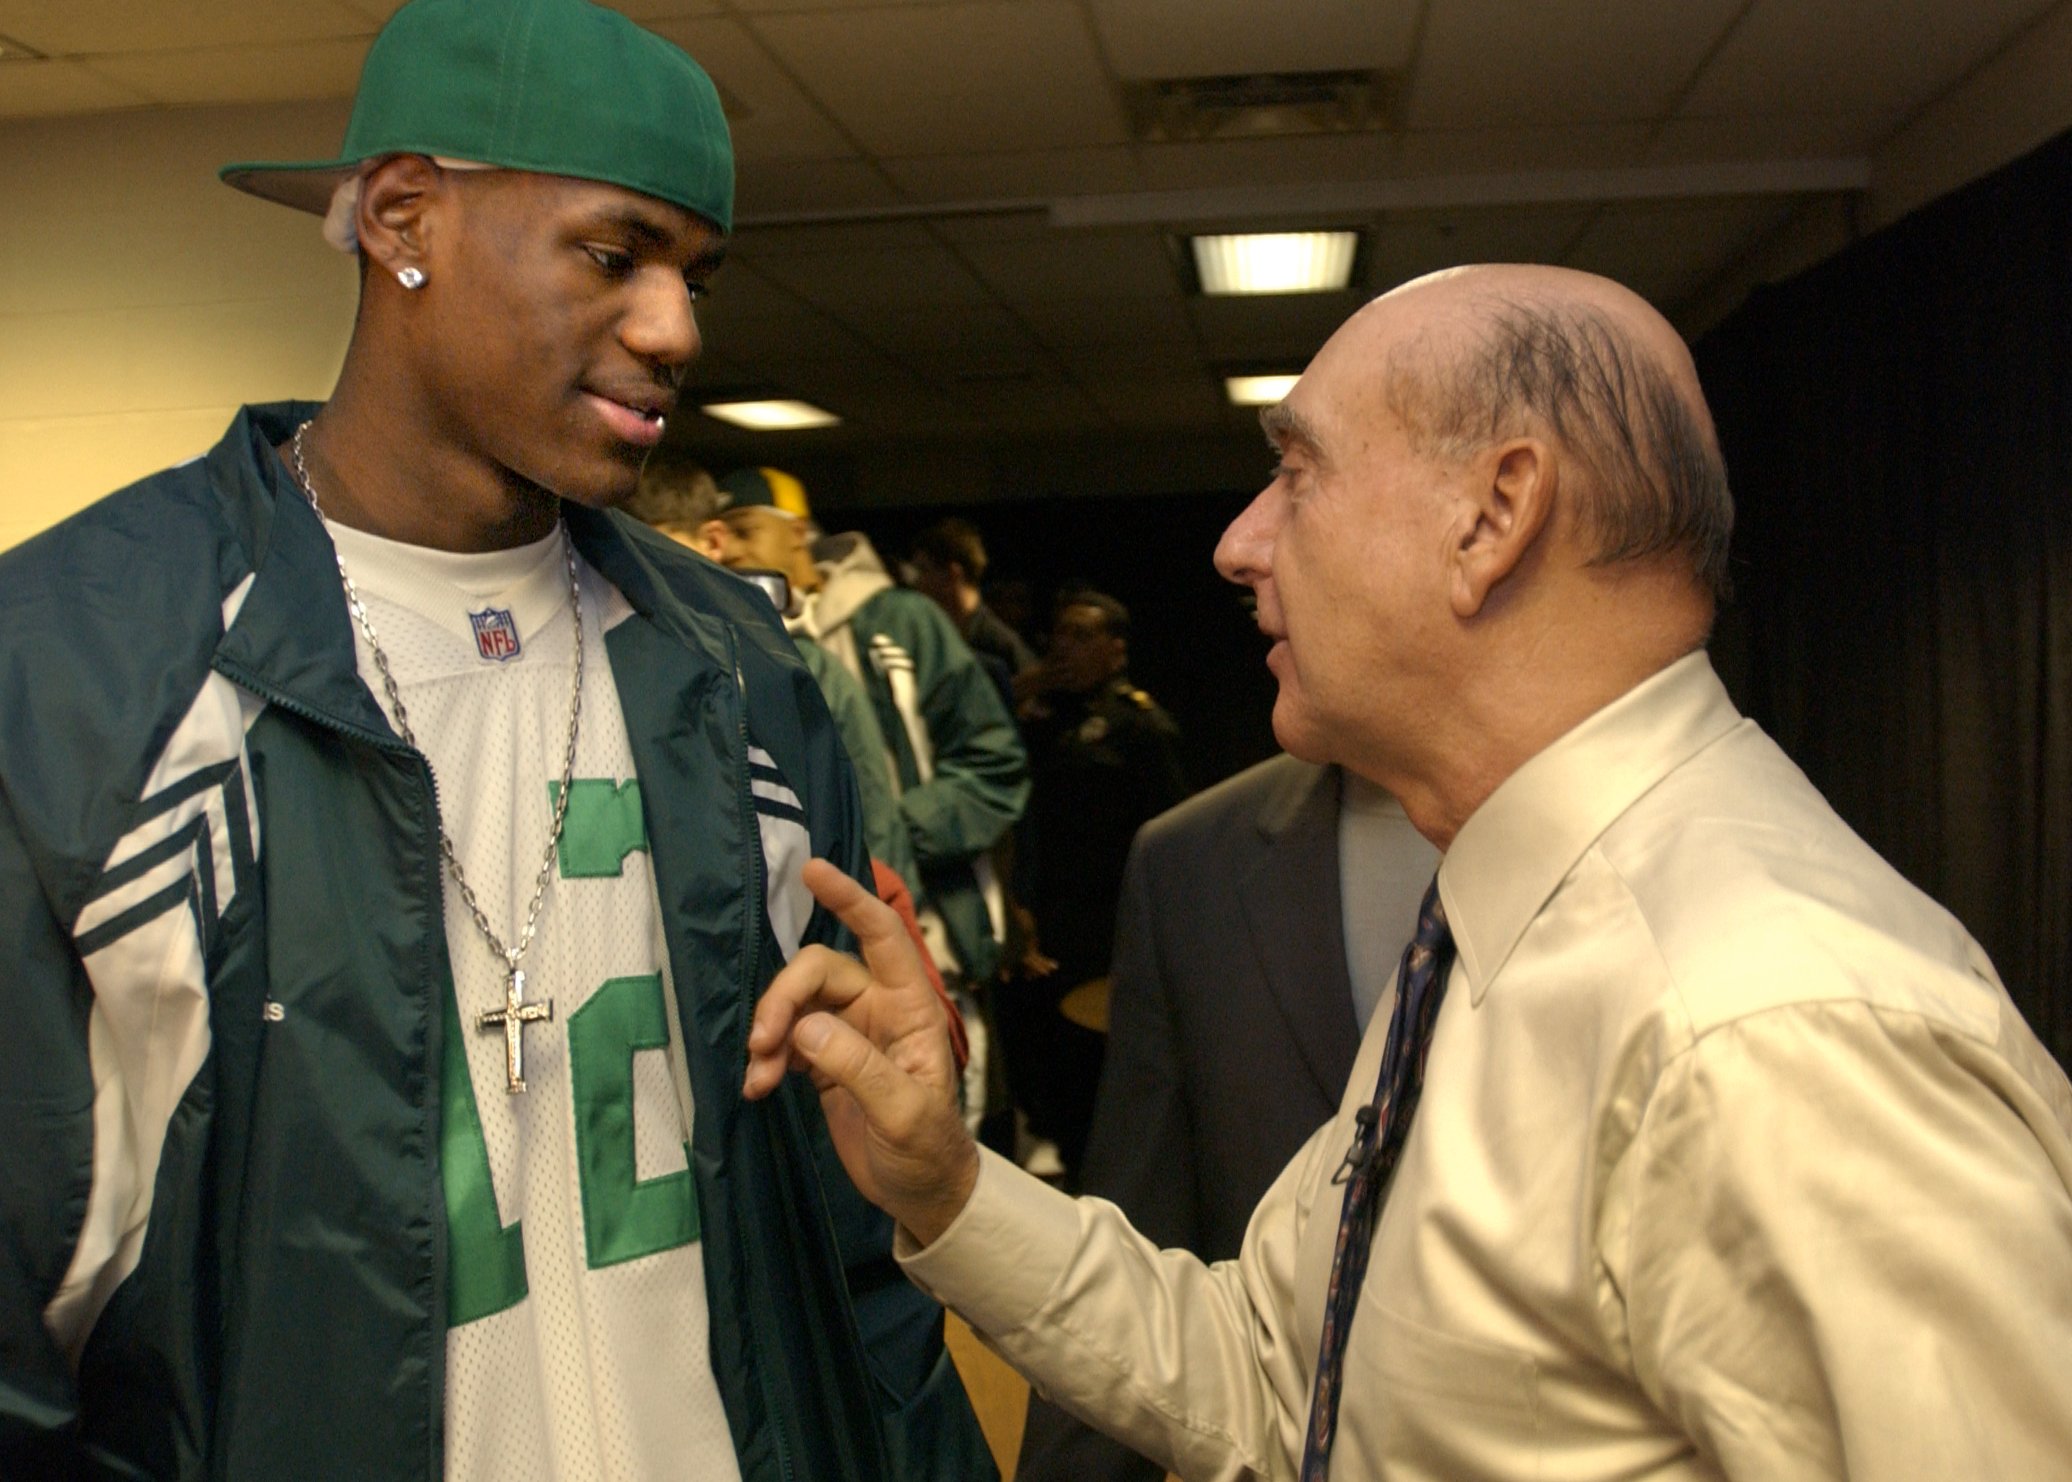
1734 1160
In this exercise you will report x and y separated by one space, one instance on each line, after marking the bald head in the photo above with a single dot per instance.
1505 351
1498 506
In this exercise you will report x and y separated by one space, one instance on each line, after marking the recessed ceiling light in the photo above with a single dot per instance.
771 416
1275 262
1258 391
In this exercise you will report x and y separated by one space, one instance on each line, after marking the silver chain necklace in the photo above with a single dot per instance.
516 1012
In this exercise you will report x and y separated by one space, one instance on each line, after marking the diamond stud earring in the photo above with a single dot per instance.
410 278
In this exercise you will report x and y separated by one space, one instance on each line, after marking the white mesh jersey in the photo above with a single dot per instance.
576 1347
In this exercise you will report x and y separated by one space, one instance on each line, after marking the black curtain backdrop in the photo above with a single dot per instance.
1897 425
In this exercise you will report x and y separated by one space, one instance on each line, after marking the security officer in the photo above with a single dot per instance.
1103 761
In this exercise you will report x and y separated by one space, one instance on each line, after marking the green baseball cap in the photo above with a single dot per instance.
772 488
562 87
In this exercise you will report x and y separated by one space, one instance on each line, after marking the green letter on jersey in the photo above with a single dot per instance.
485 1261
604 825
624 1217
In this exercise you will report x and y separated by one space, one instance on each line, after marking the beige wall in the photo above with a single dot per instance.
141 302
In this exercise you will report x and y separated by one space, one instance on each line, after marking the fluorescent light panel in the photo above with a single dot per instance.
1258 391
771 416
1275 262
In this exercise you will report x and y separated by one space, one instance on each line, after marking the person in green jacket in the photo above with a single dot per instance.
762 540
962 772
681 500
393 841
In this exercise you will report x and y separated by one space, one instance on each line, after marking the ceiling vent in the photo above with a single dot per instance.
1261 105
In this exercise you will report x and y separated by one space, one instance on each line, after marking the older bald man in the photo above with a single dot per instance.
1733 1158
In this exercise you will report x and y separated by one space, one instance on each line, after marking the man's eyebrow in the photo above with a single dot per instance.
710 259
647 233
636 227
1283 425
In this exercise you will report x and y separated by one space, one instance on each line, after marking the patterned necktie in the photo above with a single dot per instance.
1378 1140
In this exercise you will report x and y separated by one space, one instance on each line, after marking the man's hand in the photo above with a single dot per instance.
873 1036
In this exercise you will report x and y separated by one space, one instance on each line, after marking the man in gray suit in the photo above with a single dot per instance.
1233 1018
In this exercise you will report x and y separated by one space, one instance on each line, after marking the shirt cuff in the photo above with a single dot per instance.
1003 1254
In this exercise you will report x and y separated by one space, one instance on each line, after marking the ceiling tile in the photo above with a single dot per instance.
59 86
1213 38
240 74
716 365
1531 147
644 11
1032 225
1029 406
1074 322
760 7
863 391
1012 175
1215 163
1121 362
739 290
100 27
1692 140
908 416
1000 375
767 189
1410 245
1136 264
1181 398
977 336
1276 327
744 333
769 117
650 12
1668 252
1883 57
841 282
808 329
1547 62
839 382
758 242
1023 70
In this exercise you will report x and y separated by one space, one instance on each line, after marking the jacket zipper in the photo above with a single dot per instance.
435 1026
751 953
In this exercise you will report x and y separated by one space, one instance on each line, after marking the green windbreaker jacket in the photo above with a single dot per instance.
223 972
963 775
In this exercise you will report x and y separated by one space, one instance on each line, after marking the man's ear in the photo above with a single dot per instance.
1508 507
396 201
710 539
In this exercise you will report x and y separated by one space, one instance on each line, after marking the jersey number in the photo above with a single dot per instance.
625 1216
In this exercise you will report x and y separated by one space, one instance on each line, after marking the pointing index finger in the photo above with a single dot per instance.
880 934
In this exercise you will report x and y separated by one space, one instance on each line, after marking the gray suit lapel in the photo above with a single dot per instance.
1292 909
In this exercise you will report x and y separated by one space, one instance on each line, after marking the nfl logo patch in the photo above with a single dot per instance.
496 634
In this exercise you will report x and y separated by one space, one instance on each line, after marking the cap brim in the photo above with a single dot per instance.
306 187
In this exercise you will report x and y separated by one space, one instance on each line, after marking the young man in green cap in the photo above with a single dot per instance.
392 843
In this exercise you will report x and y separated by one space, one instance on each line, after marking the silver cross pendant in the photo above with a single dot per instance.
512 1019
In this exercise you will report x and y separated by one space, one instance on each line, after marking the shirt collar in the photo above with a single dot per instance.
1515 850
